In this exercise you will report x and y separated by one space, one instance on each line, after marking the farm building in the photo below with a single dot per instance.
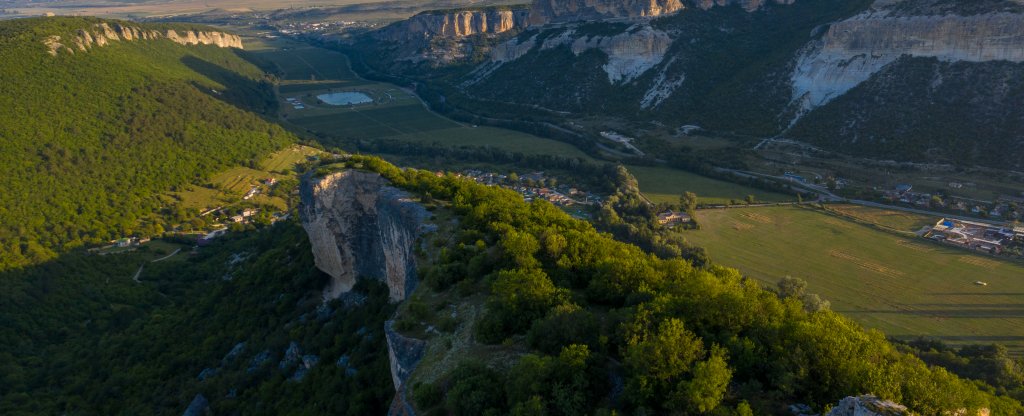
671 218
973 235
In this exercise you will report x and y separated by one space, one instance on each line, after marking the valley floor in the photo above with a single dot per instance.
905 286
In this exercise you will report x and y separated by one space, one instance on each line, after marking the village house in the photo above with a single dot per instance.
671 218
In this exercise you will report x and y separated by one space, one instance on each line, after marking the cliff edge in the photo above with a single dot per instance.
361 228
102 34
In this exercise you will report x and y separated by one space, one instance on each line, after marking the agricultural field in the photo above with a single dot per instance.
904 286
229 186
894 220
395 113
666 185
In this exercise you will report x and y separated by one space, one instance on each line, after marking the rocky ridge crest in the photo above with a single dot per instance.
102 34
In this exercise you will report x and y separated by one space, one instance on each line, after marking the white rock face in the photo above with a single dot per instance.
455 24
102 34
630 53
361 228
662 87
867 405
853 50
557 11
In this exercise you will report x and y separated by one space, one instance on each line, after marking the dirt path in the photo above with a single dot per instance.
167 256
137 274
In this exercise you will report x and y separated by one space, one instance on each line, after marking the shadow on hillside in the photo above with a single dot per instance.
248 94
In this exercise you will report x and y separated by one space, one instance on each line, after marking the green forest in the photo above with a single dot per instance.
83 338
90 140
601 326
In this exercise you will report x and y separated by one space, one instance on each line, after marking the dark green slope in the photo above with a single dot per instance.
87 140
922 109
80 337
736 66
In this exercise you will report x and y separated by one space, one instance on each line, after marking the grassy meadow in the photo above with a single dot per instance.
906 287
661 184
230 185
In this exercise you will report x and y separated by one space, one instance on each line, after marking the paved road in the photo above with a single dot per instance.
824 195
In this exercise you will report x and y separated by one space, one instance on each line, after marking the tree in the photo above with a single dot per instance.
791 287
520 247
688 201
658 362
706 389
750 199
518 297
814 303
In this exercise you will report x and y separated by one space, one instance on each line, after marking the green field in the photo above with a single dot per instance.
895 220
395 113
667 184
905 287
231 184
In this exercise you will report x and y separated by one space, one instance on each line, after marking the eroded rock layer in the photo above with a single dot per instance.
560 11
855 49
454 24
102 34
359 227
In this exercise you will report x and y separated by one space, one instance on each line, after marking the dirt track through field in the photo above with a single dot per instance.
983 263
914 246
865 264
757 217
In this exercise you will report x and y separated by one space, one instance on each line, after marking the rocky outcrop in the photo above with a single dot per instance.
851 51
748 5
454 24
630 53
561 11
360 227
871 405
197 407
404 353
102 34
867 405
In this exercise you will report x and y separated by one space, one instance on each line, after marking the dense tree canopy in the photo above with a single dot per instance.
683 339
91 139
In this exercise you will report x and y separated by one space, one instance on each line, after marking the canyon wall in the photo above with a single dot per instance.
454 24
102 34
748 5
851 51
630 53
404 353
562 11
361 228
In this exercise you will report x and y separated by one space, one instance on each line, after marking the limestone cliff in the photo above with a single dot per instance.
404 353
560 11
360 227
853 50
748 5
630 53
102 34
454 24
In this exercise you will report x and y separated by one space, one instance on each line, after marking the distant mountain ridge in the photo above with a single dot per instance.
102 34
770 68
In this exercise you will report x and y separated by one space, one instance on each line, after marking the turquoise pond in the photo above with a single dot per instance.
345 98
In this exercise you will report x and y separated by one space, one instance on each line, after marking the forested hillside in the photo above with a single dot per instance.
577 323
90 139
82 338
